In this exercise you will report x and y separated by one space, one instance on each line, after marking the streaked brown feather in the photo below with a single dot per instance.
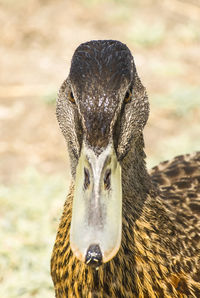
143 266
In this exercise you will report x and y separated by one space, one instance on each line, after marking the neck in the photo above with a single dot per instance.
129 273
136 182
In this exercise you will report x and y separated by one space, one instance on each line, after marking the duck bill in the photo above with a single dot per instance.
95 233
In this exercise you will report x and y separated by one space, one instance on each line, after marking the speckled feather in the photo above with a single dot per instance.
160 248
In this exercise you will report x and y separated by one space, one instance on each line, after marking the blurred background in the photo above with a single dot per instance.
37 40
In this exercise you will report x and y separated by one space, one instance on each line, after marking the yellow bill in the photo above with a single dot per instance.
95 234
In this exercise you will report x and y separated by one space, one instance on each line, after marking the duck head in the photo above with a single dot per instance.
101 107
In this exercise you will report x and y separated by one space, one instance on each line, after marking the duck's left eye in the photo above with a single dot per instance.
128 96
71 97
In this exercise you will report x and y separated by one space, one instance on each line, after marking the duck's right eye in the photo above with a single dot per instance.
71 97
128 96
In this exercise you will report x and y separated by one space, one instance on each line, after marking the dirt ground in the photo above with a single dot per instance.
37 40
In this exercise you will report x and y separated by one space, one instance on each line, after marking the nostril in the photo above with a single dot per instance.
107 179
86 178
93 256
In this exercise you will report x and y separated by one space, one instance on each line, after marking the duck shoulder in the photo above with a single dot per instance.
179 184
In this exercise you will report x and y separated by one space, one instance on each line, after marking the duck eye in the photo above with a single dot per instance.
71 97
128 96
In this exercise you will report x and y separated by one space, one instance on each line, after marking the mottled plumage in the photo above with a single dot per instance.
160 246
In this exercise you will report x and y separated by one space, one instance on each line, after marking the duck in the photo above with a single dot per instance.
124 231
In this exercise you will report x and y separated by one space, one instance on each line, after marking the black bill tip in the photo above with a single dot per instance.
93 256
